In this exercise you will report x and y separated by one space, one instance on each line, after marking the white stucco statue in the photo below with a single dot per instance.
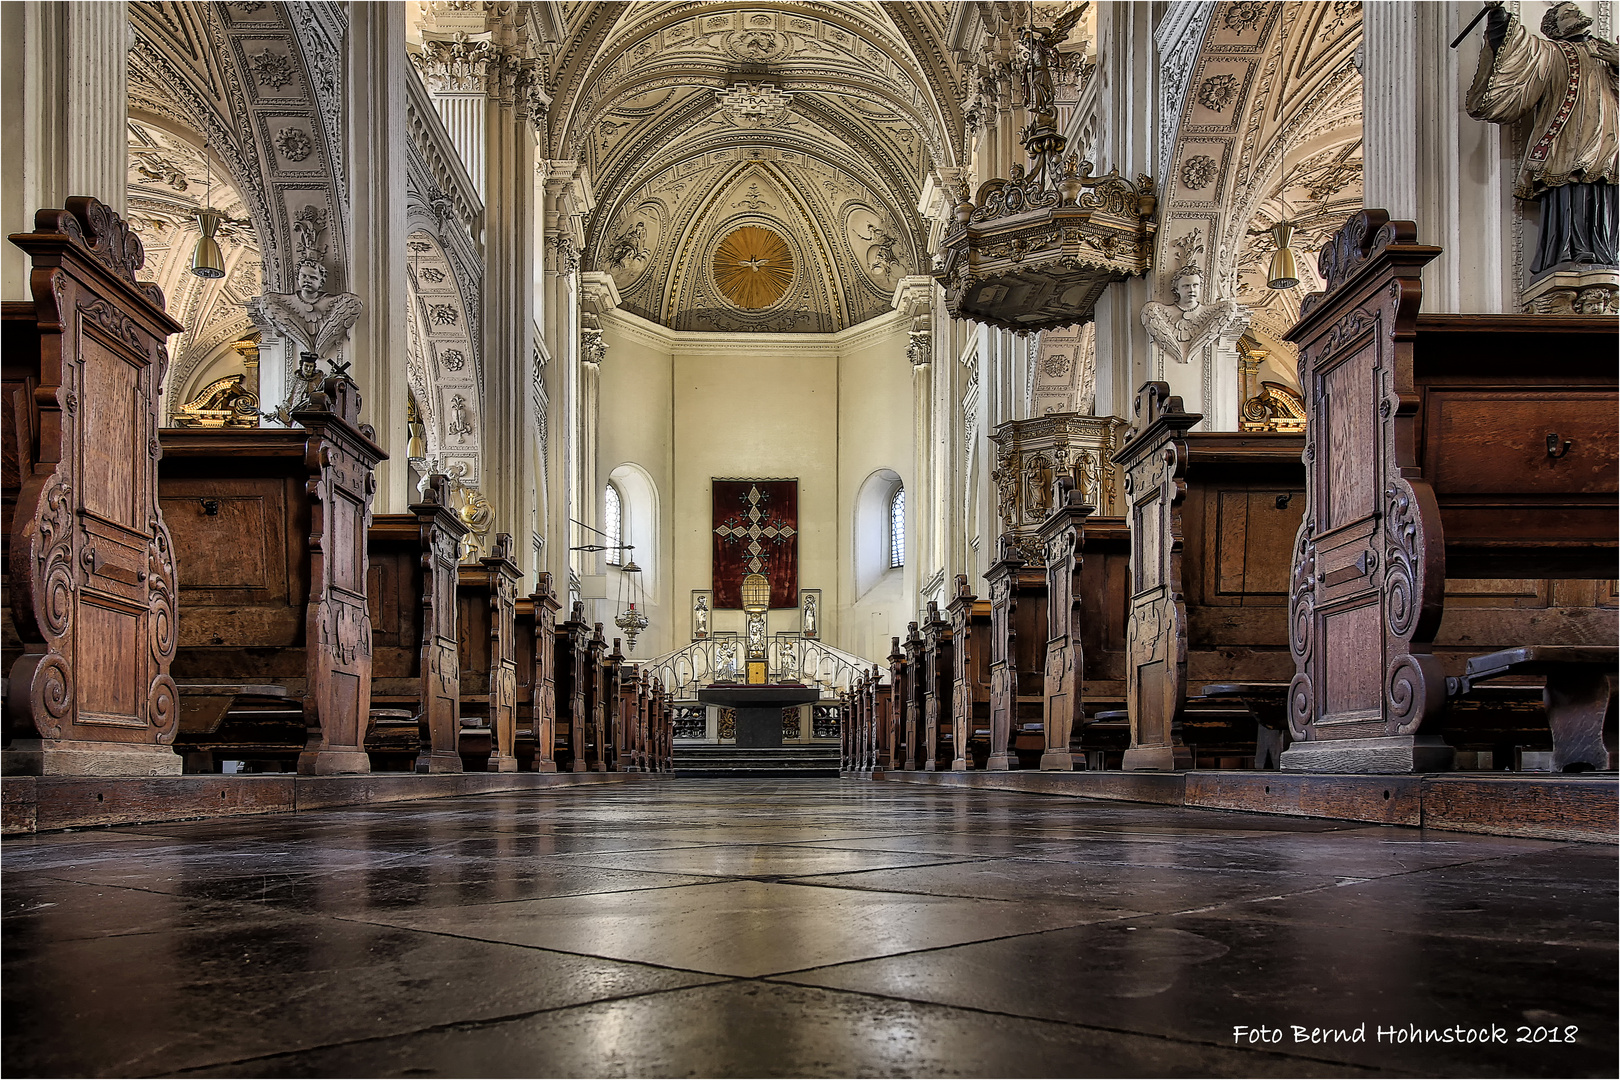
1181 327
315 320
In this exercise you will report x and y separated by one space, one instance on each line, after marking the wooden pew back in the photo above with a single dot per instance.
1437 445
411 590
486 599
289 606
90 561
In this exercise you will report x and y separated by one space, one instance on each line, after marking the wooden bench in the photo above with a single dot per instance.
938 681
270 533
90 631
1017 659
573 638
486 605
1579 696
535 620
970 688
1060 536
1479 446
1212 518
912 673
411 589
894 751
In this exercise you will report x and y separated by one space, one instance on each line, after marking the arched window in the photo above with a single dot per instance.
613 525
897 528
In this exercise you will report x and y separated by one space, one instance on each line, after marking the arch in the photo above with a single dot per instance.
1265 83
171 175
871 528
262 83
444 370
613 524
640 522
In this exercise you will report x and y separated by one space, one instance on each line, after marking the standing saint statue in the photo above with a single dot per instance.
1564 82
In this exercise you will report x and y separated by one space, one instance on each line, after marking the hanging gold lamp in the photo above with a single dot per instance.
207 260
1284 271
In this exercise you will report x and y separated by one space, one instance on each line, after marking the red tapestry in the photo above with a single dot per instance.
756 531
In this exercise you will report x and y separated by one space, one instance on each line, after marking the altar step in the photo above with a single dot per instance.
717 762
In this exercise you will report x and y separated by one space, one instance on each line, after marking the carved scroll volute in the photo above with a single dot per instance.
79 601
1368 560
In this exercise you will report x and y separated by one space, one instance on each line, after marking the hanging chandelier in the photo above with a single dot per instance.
1036 250
630 620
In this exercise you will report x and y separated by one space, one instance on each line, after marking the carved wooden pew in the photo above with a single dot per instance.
1017 659
625 729
938 682
970 692
536 622
883 721
595 700
661 744
486 601
89 636
894 735
285 613
572 670
912 737
1061 536
1210 514
1470 445
614 675
411 590
1104 582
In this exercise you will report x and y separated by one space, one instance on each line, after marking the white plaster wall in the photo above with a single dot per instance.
826 409
876 429
637 427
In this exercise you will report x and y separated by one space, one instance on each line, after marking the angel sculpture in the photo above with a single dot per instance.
1041 60
1180 327
317 321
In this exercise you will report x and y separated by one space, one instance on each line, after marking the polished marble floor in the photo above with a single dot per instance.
801 928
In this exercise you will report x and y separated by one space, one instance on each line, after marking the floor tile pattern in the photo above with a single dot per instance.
800 928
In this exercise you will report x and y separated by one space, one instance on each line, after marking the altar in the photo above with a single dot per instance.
759 709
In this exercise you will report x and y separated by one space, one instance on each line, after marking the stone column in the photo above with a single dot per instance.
475 63
597 296
1429 162
1129 129
66 88
375 134
914 299
560 326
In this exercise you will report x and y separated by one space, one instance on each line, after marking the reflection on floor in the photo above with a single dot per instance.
799 928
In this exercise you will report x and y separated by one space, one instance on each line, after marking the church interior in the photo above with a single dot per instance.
810 537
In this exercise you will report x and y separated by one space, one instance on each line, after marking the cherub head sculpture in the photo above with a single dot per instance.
311 281
1188 287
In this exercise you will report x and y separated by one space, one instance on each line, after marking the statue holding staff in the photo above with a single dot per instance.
1565 83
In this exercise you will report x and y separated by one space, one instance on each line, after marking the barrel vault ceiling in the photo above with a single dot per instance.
817 124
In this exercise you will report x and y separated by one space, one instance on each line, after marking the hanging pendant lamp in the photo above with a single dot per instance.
1284 271
207 260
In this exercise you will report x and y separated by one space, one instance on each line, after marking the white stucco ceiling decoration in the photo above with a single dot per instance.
1270 129
818 121
168 182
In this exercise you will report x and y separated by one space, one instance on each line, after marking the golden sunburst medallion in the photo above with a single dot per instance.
753 267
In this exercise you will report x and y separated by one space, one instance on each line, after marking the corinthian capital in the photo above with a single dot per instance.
462 64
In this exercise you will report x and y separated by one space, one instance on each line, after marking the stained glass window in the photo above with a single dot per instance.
613 522
897 528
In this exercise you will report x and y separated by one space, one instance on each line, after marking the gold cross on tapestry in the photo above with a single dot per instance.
756 532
